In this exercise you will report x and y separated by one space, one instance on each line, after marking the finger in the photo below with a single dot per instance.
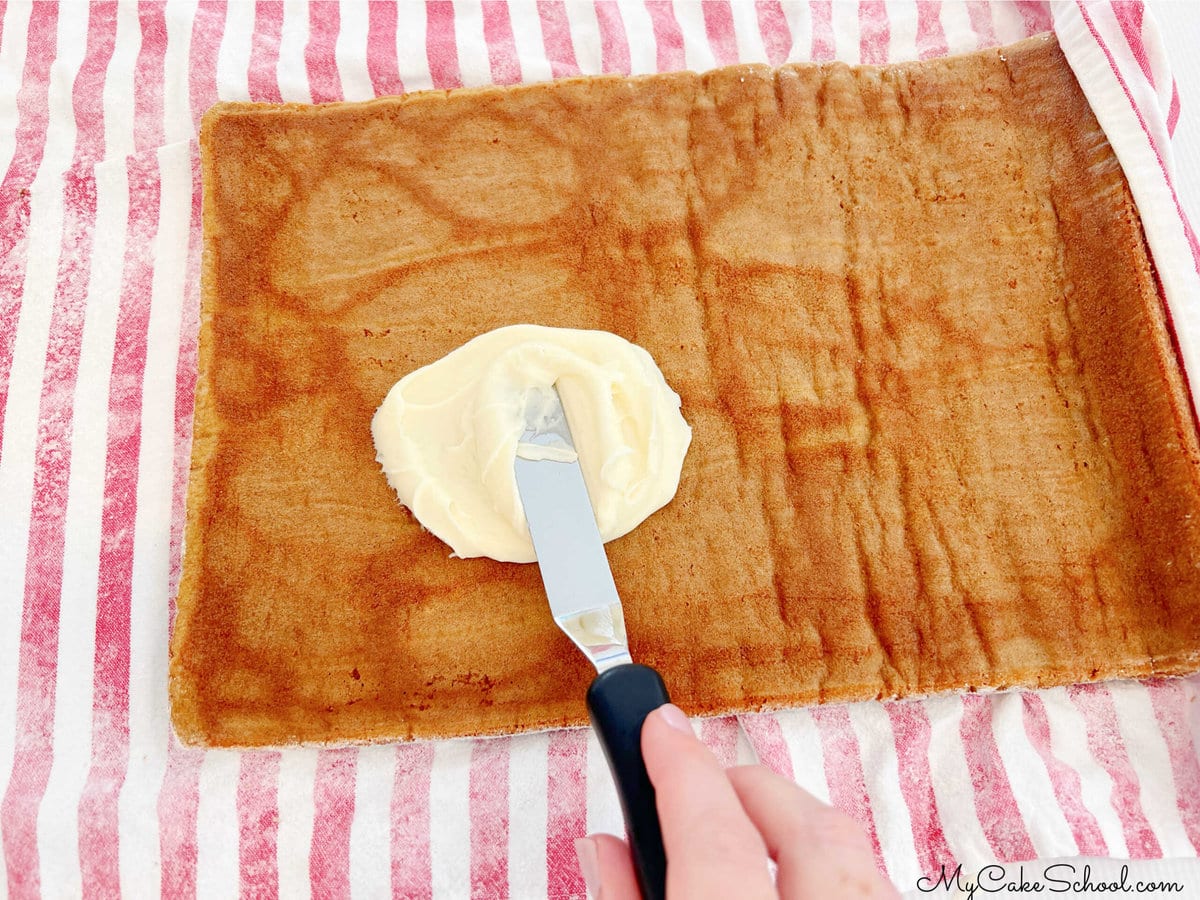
713 850
607 868
821 851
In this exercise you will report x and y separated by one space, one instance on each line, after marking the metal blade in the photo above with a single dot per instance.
579 584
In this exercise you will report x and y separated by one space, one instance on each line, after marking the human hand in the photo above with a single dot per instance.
720 826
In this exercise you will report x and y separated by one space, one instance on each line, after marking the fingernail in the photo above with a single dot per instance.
589 865
674 716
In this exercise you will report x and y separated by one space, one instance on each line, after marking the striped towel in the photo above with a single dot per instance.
99 260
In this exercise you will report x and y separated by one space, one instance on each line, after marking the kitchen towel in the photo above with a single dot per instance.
99 263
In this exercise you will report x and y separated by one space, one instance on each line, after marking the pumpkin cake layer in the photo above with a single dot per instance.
941 436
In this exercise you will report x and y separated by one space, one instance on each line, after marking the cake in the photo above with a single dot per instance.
942 439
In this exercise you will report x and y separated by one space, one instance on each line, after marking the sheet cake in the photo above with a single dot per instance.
942 440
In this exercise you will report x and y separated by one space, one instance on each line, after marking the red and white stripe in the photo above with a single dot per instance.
411 57
349 32
208 27
1030 779
262 80
1005 828
31 263
258 823
843 762
566 817
441 49
66 573
790 744
218 829
1172 704
1065 781
14 29
667 36
99 200
617 21
501 44
370 831
333 817
54 573
775 32
963 825
1095 703
26 141
178 799
179 21
233 57
601 806
911 737
1150 753
291 64
931 34
449 834
325 30
149 624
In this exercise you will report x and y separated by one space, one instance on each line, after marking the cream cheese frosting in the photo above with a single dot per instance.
447 434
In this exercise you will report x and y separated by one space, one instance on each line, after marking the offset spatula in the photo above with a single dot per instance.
584 602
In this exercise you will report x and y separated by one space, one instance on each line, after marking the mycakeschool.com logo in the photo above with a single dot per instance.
1033 879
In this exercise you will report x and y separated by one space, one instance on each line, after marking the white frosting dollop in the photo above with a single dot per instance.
447 434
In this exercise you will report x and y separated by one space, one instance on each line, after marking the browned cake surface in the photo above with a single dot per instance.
941 436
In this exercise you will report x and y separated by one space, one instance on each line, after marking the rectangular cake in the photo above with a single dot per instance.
942 440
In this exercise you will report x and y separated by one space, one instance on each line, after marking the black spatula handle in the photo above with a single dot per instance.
619 701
